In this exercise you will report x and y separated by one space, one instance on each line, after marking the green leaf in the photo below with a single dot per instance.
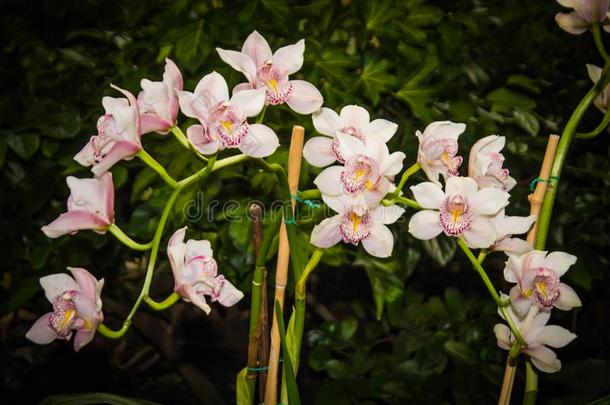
291 382
385 285
191 43
524 82
441 249
23 293
142 180
91 398
460 353
504 99
348 328
527 121
418 100
244 396
375 79
24 145
424 16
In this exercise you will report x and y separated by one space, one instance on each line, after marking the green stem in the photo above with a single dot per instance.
405 176
261 116
166 303
531 384
126 240
179 135
597 37
313 194
598 130
548 202
156 166
403 200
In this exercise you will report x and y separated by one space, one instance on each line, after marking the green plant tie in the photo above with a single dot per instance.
538 179
308 202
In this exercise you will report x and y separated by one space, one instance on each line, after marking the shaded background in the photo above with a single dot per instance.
414 329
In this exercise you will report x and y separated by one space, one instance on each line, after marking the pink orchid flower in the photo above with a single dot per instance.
118 135
77 306
462 210
352 227
438 147
321 151
603 98
196 273
367 175
586 12
158 101
537 276
538 335
90 206
485 163
223 121
269 71
506 227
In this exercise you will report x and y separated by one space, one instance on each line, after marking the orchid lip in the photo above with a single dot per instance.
455 215
64 314
359 174
229 122
275 79
546 288
354 227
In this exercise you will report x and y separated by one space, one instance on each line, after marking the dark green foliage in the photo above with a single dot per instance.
407 330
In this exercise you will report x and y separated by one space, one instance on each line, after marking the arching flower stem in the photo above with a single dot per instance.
126 240
166 303
414 168
597 37
156 166
183 140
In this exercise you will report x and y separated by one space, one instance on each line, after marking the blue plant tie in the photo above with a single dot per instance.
538 179
290 221
308 202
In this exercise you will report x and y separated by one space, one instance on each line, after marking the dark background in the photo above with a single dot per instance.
413 329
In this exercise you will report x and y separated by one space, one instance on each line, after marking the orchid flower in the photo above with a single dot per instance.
223 121
367 174
321 151
603 98
485 163
77 306
537 276
506 227
538 335
158 101
270 72
586 12
90 206
352 227
196 273
462 210
118 134
438 147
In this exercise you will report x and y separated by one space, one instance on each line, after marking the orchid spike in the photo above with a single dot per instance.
223 121
368 227
270 72
196 273
485 164
462 210
538 335
77 306
603 98
367 175
585 13
537 277
438 147
90 206
353 120
158 101
118 134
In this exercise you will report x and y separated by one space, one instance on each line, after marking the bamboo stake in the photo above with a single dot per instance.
538 196
263 345
535 200
253 342
281 271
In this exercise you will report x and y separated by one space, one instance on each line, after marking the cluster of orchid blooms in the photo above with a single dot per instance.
357 182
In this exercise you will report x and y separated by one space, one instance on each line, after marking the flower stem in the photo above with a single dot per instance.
597 37
414 168
313 194
166 303
403 200
531 384
156 166
598 130
561 154
261 116
126 240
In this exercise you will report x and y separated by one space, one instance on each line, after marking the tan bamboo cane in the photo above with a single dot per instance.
535 200
281 270
538 195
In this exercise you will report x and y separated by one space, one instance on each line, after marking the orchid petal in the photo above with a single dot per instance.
240 62
326 121
317 151
513 245
305 98
260 142
559 262
201 140
572 22
86 282
481 233
544 359
214 86
354 116
252 101
425 225
381 129
428 194
229 295
380 241
488 201
155 123
387 215
242 87
83 337
41 332
73 221
193 106
257 48
55 285
327 233
329 180
554 336
503 336
392 165
121 150
568 298
464 186
290 57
